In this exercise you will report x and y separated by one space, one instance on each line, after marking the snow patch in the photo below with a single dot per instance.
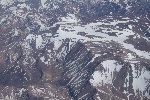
140 82
105 76
39 41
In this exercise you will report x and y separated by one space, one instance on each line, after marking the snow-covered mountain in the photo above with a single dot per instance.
74 50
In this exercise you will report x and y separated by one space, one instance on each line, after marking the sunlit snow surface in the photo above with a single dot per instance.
106 76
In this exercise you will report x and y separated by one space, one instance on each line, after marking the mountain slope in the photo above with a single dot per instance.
74 50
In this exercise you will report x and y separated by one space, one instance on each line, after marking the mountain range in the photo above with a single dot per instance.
74 50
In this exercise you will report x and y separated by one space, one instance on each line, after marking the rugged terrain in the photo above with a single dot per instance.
74 50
